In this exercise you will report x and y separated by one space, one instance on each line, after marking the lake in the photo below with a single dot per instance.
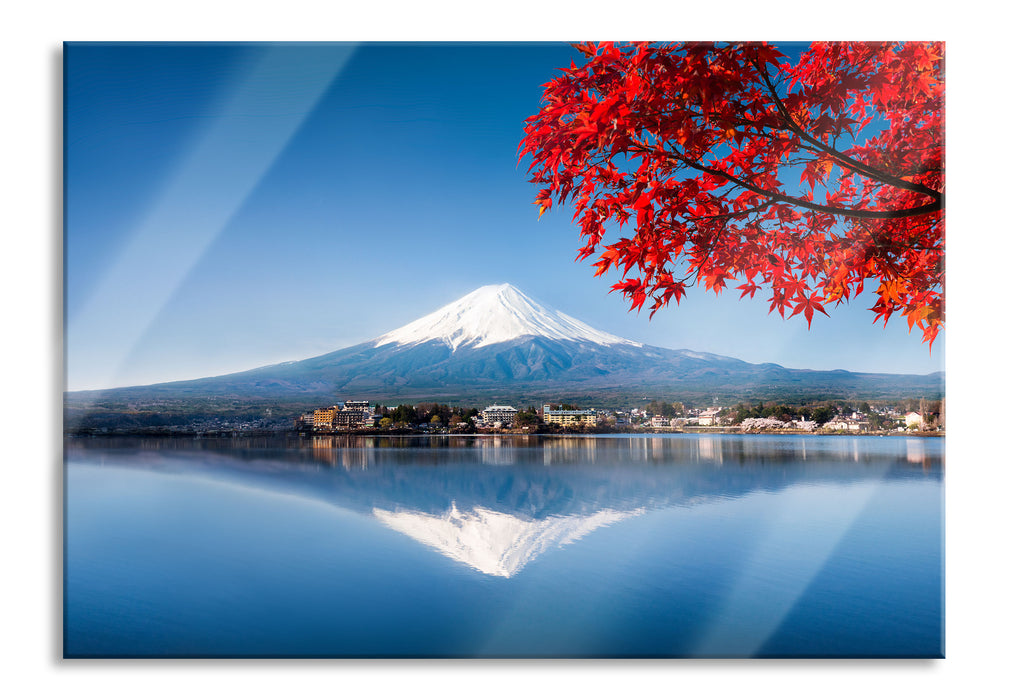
498 546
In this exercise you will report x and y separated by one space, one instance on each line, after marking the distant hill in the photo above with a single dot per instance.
497 344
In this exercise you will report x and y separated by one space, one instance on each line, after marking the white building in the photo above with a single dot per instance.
846 425
505 415
708 417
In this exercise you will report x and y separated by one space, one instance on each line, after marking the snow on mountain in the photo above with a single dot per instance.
496 314
496 344
499 544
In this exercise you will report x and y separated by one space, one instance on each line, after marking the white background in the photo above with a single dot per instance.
30 193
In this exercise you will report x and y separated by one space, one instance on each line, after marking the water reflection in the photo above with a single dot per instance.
328 450
708 448
362 451
496 503
916 451
492 542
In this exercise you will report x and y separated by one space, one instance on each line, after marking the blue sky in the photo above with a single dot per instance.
234 205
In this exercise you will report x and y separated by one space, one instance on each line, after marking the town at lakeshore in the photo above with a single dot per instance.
917 415
359 416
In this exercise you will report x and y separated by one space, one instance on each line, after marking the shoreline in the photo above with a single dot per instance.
655 432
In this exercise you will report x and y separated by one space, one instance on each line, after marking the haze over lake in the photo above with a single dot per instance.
499 546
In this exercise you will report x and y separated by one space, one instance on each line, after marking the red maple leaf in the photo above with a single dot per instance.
694 143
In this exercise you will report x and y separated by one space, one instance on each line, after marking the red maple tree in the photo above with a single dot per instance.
696 141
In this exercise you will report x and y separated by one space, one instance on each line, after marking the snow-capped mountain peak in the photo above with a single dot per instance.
496 314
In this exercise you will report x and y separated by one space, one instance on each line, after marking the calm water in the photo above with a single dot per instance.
670 546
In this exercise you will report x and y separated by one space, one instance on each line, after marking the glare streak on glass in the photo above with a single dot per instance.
803 539
235 153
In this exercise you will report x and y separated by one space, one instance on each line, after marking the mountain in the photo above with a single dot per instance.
496 314
498 344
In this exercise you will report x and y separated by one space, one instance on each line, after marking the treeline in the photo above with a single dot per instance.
80 420
431 413
742 411
783 412
824 412
667 409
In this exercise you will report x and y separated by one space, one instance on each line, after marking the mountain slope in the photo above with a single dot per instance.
498 342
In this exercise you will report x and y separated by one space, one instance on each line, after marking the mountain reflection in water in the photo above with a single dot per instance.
495 503
498 546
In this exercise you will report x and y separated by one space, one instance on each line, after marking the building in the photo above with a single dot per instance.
708 417
505 415
323 418
913 420
352 414
573 417
349 419
846 425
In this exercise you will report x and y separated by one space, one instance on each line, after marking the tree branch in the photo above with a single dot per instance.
934 206
841 158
